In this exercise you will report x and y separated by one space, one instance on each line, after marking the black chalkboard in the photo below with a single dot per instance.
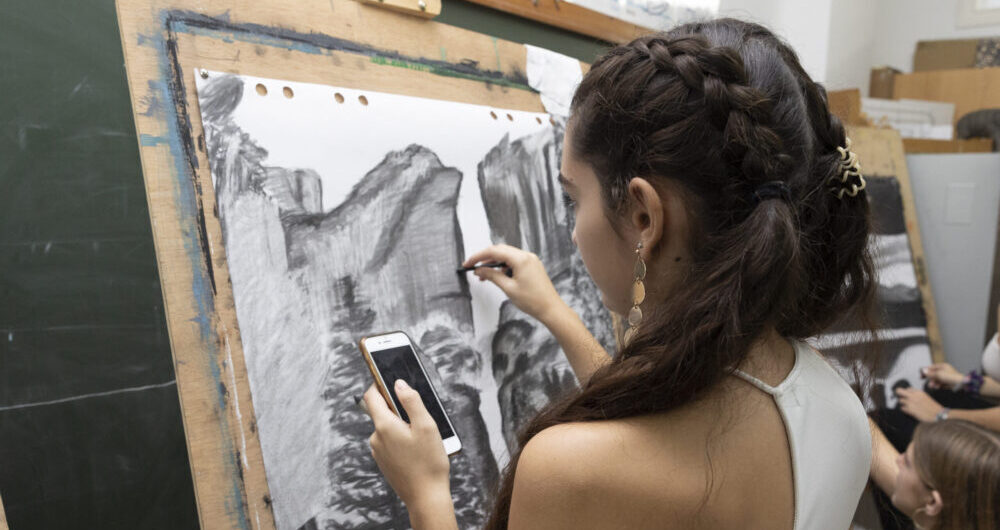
90 425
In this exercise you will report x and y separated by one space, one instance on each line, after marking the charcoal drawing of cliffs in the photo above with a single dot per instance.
520 190
308 284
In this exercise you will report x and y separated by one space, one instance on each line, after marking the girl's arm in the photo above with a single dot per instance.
411 457
989 418
584 353
944 375
921 406
884 464
990 388
433 513
531 290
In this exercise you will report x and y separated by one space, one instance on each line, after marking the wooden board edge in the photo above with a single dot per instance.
880 152
144 165
913 146
3 517
571 17
208 415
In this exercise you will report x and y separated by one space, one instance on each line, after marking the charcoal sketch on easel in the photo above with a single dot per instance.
518 185
903 344
365 238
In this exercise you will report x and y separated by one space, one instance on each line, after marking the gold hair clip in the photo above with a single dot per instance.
849 167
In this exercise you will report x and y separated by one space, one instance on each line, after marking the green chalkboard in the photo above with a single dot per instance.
90 425
475 17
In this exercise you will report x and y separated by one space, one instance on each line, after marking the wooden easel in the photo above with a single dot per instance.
569 16
3 517
880 152
335 42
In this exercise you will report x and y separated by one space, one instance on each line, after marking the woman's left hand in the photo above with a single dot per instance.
918 404
411 456
943 375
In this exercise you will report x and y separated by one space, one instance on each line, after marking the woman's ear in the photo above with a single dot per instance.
934 504
646 214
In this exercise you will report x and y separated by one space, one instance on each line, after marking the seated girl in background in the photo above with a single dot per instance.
948 478
978 383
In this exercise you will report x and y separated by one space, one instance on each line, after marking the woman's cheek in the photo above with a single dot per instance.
599 253
903 495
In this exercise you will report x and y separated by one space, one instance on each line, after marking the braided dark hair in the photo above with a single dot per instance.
719 108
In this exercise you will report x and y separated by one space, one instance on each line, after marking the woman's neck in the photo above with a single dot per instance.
922 521
770 359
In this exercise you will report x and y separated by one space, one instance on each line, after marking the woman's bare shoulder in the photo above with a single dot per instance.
590 474
561 445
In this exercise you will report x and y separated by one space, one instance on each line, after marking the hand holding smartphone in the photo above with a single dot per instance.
391 356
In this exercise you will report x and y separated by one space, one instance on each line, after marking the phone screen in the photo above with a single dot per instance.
401 363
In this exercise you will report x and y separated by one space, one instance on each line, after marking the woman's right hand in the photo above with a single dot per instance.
918 404
529 286
942 375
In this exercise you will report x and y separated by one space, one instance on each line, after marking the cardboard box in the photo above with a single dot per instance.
972 145
882 81
969 89
944 54
846 105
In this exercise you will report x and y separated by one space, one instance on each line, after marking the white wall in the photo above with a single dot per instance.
901 23
956 199
805 25
839 42
885 32
853 30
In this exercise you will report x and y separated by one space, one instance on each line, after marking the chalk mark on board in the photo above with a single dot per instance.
88 396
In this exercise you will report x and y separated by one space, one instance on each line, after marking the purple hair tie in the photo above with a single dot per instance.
973 382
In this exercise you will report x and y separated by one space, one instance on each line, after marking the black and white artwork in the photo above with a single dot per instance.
903 346
345 213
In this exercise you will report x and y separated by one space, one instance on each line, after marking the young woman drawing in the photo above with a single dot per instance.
719 209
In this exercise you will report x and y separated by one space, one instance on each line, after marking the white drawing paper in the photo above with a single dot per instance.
345 213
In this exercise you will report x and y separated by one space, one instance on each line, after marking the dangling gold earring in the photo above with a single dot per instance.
638 295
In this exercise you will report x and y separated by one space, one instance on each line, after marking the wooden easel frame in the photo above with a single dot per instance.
880 152
336 42
570 17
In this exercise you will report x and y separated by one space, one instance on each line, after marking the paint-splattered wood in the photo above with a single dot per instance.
571 17
880 153
338 42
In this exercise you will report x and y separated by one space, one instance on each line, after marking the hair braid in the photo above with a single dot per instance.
716 76
834 230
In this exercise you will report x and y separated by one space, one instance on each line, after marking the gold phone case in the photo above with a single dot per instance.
379 383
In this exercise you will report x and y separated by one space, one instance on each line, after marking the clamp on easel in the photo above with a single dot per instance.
422 8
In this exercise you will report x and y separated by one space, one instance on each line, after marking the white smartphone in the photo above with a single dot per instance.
391 356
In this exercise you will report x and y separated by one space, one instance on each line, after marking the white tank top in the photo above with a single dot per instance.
991 358
829 438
